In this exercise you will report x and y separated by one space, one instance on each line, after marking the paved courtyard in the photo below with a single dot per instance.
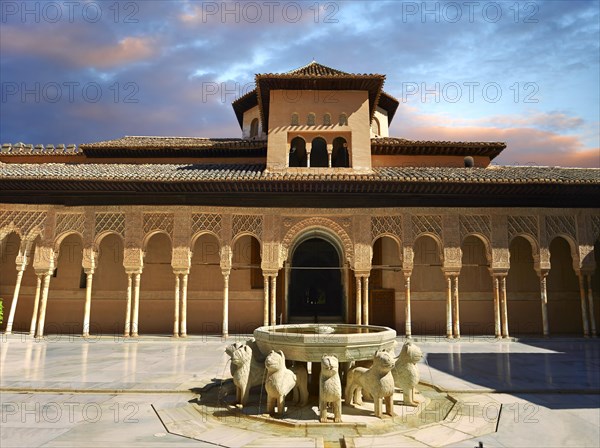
69 392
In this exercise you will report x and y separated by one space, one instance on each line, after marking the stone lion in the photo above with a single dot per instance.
406 373
245 368
330 388
377 381
280 381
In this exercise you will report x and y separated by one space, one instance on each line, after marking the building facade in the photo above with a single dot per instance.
315 214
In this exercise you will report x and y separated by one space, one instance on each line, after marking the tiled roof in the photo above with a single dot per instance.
245 172
401 146
148 142
21 149
315 69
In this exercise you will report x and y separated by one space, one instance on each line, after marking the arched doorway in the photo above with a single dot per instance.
339 156
318 154
297 153
315 291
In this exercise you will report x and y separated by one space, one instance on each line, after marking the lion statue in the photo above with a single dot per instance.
246 368
280 381
406 373
330 388
377 381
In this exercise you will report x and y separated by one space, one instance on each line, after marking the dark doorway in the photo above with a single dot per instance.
315 288
318 154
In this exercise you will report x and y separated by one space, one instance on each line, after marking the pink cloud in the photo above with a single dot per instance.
67 47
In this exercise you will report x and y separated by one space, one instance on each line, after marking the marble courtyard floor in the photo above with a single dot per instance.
66 391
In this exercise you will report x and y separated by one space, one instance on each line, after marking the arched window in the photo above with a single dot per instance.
254 128
343 120
339 156
318 154
375 127
311 119
327 120
295 121
297 152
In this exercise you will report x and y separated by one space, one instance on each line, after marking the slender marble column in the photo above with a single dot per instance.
88 303
36 303
127 331
497 320
225 304
366 300
265 300
544 300
358 300
13 306
504 307
456 309
591 305
176 310
407 312
184 291
42 318
273 300
584 317
136 306
449 325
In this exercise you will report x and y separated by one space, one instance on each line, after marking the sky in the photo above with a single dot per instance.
522 72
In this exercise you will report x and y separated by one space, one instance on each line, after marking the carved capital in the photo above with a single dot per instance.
45 259
90 259
452 258
500 258
226 258
133 259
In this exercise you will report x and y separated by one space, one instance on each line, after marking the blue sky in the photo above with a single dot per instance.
522 72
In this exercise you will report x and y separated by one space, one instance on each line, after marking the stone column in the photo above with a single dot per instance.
13 306
497 319
358 300
308 148
407 312
273 299
456 309
176 310
449 325
127 330
329 153
366 300
184 291
88 302
504 306
226 303
36 303
136 305
265 299
591 305
584 317
544 302
42 318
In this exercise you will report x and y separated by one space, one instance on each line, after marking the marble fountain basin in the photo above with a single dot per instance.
309 342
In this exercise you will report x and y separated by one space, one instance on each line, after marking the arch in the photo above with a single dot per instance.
573 246
428 286
343 119
58 240
295 120
376 127
484 240
311 119
10 249
102 235
318 154
535 247
297 156
201 233
245 279
316 291
322 226
385 280
392 236
327 119
564 308
254 128
245 233
523 288
148 236
339 156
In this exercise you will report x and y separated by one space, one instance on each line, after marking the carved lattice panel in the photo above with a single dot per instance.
469 224
386 224
560 225
427 224
247 223
158 221
206 221
23 222
595 227
519 225
110 222
67 222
